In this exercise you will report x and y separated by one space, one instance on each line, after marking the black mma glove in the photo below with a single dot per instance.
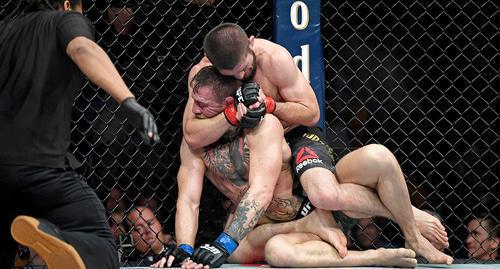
249 120
215 254
141 119
248 93
180 254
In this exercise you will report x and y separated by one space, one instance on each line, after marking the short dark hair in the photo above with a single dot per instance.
223 86
225 45
488 222
26 6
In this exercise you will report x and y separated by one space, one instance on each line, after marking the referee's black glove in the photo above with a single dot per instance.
141 119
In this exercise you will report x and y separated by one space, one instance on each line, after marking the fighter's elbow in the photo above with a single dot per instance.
313 119
192 140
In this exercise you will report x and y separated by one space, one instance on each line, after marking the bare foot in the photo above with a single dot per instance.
399 257
431 228
424 248
321 223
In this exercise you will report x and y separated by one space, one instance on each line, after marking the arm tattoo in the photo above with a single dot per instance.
246 216
283 209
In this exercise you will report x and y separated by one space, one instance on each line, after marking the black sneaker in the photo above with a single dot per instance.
45 239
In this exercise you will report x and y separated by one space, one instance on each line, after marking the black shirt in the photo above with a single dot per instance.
38 82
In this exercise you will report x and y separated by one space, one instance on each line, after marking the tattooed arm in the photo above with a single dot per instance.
284 209
265 145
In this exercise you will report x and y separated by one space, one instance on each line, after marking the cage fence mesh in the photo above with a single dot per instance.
420 77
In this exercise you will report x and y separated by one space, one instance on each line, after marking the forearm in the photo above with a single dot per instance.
296 113
186 222
250 209
200 133
265 147
96 65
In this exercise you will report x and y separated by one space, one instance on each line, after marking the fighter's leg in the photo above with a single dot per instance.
284 204
314 164
319 222
376 167
308 250
431 228
358 190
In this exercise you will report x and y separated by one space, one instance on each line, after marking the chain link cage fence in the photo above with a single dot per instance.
420 77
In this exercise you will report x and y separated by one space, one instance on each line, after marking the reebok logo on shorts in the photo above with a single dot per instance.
304 154
305 157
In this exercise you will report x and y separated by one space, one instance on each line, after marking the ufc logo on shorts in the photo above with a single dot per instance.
212 249
312 137
305 210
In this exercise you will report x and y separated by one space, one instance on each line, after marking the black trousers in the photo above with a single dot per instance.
63 198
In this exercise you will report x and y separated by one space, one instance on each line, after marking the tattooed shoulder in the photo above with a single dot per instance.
229 160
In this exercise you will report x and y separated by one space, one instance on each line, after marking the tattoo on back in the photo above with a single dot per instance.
229 160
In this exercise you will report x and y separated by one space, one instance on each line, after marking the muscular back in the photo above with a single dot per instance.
227 166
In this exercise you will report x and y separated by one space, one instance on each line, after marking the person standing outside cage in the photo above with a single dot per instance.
45 46
288 95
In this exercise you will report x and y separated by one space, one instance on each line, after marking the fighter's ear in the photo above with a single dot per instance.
228 100
251 39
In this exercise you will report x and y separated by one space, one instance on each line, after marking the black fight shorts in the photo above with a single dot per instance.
309 150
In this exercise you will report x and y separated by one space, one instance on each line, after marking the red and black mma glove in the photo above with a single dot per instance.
215 254
141 119
247 95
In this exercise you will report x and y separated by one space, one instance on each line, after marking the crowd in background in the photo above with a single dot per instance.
140 203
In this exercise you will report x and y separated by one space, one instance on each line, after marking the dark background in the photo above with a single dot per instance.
420 78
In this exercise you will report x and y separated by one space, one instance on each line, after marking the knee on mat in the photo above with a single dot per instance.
277 251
